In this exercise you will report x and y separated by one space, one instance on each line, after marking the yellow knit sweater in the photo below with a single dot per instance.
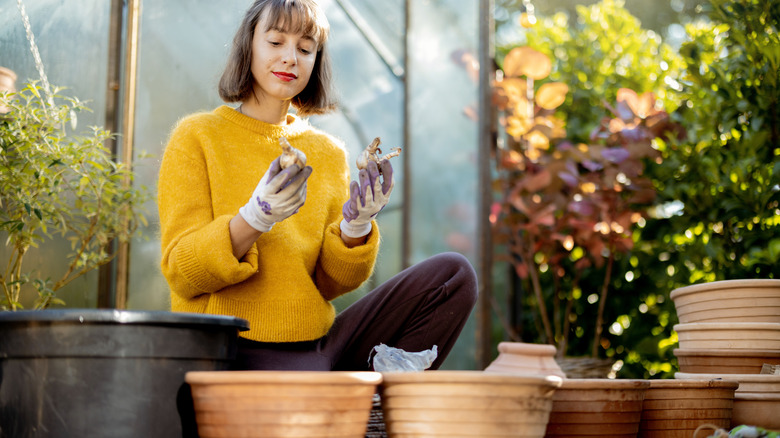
284 284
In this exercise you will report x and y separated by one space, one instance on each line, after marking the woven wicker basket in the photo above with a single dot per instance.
376 421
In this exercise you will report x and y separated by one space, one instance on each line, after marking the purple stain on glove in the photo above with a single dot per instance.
266 207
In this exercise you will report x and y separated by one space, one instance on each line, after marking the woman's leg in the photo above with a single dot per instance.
290 356
424 305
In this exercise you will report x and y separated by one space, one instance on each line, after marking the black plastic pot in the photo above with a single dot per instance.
106 373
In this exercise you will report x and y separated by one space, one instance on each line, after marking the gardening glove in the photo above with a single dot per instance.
367 198
278 195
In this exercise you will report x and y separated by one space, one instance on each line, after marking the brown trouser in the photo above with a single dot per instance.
422 306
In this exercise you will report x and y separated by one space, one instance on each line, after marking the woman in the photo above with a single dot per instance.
277 252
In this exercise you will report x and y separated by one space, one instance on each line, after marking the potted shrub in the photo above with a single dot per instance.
565 207
84 372
572 183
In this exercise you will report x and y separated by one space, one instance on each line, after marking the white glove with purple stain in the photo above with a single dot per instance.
278 195
367 198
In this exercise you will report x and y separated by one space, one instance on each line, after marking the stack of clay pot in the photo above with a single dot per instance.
730 331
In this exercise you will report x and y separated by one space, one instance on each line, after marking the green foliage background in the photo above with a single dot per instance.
717 214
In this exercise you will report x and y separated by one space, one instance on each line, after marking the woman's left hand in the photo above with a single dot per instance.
367 198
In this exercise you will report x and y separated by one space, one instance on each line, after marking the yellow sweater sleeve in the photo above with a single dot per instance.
197 254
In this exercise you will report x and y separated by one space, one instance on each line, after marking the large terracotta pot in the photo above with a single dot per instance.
731 335
282 403
676 408
597 407
466 404
523 358
756 401
724 361
729 301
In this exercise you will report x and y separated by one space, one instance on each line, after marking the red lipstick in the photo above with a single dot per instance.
287 77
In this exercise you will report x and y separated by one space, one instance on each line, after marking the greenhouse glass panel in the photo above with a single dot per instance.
72 41
443 38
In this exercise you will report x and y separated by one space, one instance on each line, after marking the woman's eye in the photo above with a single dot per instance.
305 51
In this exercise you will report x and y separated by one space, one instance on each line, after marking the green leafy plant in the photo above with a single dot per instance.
567 208
594 181
598 52
724 180
57 182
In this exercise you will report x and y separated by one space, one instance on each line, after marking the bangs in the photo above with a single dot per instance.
298 17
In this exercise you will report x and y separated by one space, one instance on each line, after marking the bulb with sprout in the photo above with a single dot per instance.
372 153
290 155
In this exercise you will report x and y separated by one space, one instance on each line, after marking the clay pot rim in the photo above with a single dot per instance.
529 349
724 352
731 326
272 377
725 284
480 377
756 396
605 384
693 383
5 71
742 378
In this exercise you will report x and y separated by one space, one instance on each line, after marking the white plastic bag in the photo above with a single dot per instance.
390 359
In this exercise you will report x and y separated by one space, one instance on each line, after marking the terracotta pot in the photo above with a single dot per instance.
722 361
466 404
597 407
282 403
733 335
729 301
7 83
7 79
756 401
675 408
527 359
757 409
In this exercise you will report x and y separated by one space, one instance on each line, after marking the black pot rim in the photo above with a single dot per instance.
115 316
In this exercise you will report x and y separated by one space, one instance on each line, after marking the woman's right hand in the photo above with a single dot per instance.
278 195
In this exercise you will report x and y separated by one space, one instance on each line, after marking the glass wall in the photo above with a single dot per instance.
72 38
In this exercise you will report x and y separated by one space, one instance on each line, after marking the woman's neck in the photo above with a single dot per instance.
274 113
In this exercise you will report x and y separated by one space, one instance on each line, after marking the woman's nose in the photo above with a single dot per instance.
289 56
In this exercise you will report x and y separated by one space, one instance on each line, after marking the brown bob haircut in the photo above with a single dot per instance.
294 16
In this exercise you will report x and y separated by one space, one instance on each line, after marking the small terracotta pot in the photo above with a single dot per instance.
597 407
525 359
676 408
723 361
282 403
733 335
466 404
729 301
7 83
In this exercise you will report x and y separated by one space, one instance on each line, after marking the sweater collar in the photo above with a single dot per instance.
295 125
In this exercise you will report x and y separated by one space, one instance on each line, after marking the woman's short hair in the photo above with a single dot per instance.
294 16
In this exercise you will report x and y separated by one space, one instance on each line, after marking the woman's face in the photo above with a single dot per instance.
282 62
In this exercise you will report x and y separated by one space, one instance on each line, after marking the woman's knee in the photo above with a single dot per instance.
462 276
